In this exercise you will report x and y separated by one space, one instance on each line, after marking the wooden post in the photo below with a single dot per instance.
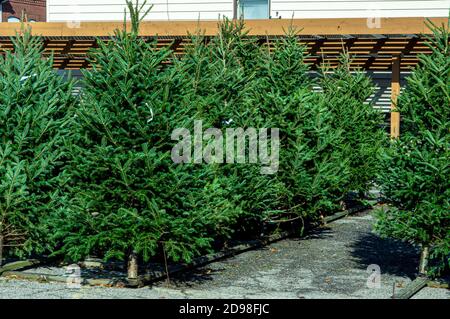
1 250
395 91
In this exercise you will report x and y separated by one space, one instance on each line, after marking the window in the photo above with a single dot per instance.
13 19
254 9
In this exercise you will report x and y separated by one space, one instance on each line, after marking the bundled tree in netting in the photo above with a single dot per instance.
345 95
311 168
416 167
35 109
129 199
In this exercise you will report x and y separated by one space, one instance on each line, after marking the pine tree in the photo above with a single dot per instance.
415 171
129 200
311 168
35 108
211 82
345 94
235 73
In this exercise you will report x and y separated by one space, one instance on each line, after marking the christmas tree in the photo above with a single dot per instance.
345 94
211 82
129 199
311 169
35 109
414 176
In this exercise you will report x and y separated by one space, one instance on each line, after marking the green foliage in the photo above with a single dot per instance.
108 174
35 107
415 172
126 193
310 169
345 95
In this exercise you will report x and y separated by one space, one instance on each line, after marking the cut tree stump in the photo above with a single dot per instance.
423 265
133 266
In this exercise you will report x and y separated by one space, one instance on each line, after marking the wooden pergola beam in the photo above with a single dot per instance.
414 25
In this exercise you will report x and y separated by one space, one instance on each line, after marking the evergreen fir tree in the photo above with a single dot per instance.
234 74
35 108
128 197
345 94
209 82
415 171
311 168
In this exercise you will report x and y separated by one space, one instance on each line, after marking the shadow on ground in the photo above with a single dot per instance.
393 256
246 263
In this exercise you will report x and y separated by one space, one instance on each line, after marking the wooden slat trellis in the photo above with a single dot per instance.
325 39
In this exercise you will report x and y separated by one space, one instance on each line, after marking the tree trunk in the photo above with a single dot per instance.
1 250
423 265
133 268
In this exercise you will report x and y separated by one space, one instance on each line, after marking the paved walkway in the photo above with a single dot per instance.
332 262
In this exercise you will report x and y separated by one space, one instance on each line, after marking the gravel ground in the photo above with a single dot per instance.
331 262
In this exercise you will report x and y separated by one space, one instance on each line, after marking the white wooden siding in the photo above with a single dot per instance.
113 10
358 8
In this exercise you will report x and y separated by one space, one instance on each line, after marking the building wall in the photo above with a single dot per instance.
112 10
358 8
34 9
